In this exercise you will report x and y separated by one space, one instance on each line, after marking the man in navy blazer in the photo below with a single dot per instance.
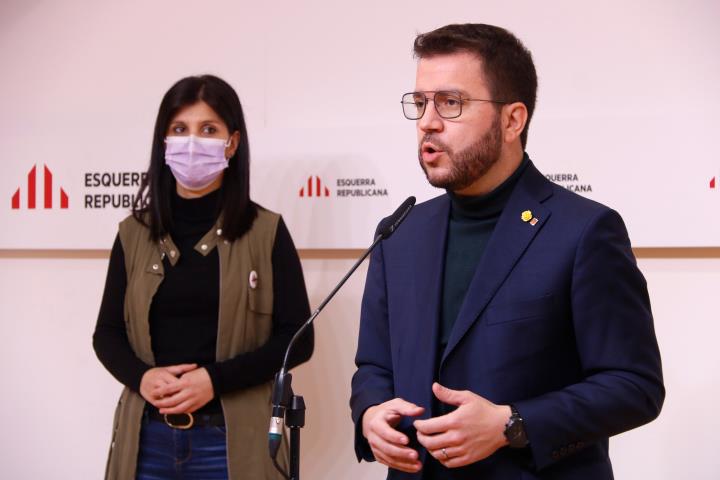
506 330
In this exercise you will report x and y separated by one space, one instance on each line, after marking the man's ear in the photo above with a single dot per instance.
514 119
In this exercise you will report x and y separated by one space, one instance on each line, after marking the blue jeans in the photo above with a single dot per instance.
198 453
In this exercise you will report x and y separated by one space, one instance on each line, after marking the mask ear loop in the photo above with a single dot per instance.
227 144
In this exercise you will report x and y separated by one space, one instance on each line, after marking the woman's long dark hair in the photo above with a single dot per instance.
153 204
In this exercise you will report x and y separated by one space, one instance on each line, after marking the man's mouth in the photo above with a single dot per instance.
430 151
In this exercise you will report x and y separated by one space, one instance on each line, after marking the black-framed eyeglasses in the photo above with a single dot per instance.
447 104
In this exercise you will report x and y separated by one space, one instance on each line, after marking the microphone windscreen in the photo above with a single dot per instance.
391 223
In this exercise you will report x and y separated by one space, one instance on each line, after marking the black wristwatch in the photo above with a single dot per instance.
515 430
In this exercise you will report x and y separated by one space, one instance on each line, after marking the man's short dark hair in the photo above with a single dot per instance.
507 64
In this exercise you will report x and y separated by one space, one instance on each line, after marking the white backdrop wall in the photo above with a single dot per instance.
626 109
57 400
628 101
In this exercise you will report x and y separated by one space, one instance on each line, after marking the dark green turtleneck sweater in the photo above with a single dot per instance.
472 222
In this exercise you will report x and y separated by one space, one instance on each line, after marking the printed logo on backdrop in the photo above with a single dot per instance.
712 183
104 190
345 187
319 191
116 190
570 181
31 191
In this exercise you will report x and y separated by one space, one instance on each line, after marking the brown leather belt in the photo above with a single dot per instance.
183 421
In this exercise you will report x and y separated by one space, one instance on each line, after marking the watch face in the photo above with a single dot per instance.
515 432
513 428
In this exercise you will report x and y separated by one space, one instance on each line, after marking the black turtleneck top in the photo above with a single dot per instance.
184 310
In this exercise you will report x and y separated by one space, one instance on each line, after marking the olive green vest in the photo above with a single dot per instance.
244 324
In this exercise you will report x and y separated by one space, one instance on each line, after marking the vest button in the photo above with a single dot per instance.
219 231
203 247
172 253
155 266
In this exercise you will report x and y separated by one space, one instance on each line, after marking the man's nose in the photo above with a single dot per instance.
431 121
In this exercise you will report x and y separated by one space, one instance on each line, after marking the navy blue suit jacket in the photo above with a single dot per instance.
556 321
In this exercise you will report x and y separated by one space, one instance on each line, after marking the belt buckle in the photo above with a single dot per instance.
179 426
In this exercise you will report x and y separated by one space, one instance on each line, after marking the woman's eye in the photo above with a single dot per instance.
178 129
209 129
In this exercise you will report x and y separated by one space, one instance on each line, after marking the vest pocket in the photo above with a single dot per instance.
260 300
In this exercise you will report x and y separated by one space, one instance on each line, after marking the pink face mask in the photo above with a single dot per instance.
195 161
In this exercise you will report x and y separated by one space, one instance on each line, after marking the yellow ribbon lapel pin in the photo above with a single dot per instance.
527 216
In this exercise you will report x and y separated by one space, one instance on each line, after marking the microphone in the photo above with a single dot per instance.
391 223
280 398
282 390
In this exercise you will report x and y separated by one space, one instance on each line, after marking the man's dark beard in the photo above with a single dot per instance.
469 164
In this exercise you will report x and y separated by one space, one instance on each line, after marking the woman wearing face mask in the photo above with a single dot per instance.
204 292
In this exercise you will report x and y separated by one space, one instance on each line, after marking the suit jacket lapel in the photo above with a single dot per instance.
428 271
509 240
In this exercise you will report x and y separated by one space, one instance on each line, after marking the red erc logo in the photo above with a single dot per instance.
32 191
712 182
320 190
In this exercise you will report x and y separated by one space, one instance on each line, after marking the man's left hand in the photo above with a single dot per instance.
472 432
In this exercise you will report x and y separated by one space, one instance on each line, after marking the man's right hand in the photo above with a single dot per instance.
388 445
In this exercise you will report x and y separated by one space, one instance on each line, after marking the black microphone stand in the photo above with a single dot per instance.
292 405
289 408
